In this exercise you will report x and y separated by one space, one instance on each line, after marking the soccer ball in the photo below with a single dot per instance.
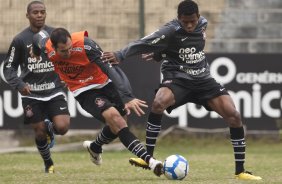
176 167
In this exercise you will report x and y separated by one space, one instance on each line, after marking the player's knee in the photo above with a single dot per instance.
158 106
61 128
234 119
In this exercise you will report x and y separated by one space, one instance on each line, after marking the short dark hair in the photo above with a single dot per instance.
28 8
59 35
187 7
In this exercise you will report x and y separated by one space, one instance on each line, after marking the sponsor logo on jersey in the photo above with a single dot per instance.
42 87
77 49
192 71
11 57
72 71
86 80
157 39
39 66
190 55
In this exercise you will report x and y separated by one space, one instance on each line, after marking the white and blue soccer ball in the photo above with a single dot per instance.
176 167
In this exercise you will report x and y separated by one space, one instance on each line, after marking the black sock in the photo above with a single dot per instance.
104 137
133 144
239 146
44 151
152 131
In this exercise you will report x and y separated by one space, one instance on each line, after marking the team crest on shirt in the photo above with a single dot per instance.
100 102
28 111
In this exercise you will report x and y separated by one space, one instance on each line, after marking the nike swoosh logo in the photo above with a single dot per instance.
63 108
153 128
137 149
183 39
222 89
28 45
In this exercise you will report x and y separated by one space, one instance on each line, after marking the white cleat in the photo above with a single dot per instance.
96 158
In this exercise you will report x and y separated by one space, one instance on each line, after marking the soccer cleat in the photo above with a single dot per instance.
246 175
50 169
96 158
50 133
138 162
156 166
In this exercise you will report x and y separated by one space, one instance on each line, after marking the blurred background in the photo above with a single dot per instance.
235 26
243 47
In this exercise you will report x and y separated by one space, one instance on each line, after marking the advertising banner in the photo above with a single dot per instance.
254 81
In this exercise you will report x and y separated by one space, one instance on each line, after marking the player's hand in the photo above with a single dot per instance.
135 105
25 90
148 56
109 57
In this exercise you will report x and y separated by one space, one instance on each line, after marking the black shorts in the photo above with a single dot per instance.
95 101
195 91
36 111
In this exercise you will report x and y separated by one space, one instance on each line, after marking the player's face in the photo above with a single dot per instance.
64 49
37 15
189 22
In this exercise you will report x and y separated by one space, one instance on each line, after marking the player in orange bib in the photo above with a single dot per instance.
101 89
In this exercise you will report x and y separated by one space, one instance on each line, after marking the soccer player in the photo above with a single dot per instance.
100 88
186 78
40 87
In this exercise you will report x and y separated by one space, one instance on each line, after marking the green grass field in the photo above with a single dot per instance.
211 162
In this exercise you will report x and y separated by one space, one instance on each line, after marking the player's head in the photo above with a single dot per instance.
36 14
61 42
188 14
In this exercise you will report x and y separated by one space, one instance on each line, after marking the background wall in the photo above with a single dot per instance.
235 26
